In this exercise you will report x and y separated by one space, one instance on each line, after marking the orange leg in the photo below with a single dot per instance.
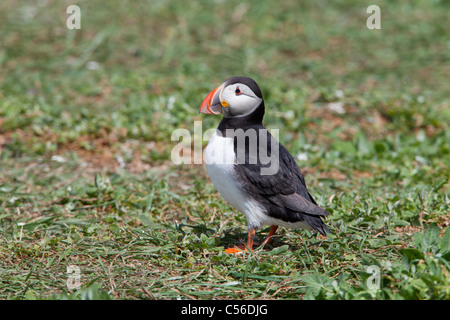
250 238
241 248
272 231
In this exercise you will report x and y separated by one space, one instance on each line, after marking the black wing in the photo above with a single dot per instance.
283 192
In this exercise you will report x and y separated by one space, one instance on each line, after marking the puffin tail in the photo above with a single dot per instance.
309 211
317 224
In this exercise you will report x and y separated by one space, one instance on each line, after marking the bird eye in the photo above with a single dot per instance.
237 91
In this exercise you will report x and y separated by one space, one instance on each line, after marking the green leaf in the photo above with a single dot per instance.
363 145
400 222
316 282
440 183
431 236
447 256
278 250
444 244
418 239
345 147
411 254
428 239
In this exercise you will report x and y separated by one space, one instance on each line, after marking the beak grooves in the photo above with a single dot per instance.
211 104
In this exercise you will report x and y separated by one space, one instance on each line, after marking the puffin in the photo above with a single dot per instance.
253 171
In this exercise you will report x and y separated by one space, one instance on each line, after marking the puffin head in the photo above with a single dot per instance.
236 97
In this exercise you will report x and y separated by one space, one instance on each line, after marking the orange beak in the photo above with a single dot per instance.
211 104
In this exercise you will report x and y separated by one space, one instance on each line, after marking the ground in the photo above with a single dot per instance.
87 180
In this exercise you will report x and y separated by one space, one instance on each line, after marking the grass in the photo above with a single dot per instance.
86 177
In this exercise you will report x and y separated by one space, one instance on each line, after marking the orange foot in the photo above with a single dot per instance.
237 250
241 248
251 236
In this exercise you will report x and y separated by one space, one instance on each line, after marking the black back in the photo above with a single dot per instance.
284 194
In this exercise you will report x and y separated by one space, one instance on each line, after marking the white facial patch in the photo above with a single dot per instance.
240 98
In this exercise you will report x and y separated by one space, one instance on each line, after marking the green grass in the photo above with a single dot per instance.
86 177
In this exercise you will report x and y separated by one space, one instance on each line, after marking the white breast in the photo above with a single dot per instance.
220 160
